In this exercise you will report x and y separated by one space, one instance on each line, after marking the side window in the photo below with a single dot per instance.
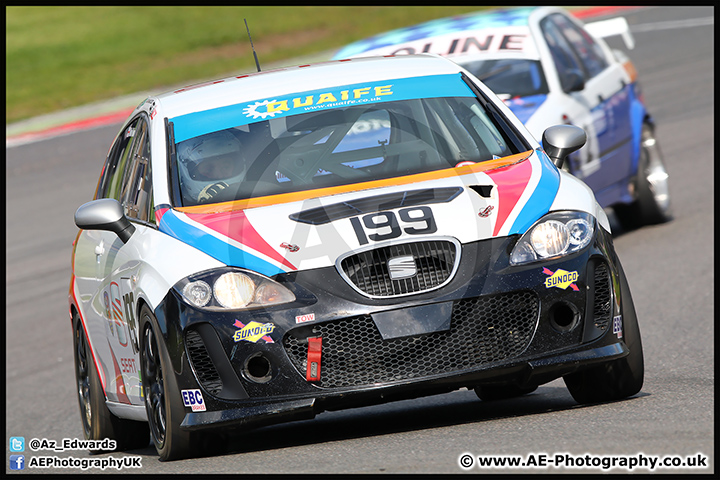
111 182
562 54
590 53
137 181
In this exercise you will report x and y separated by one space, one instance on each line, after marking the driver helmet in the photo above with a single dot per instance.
209 159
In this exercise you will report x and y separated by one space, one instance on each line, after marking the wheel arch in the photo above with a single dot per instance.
75 310
639 116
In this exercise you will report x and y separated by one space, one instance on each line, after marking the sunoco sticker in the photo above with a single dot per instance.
253 331
561 279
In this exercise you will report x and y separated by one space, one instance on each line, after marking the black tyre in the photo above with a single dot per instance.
619 378
652 204
163 410
501 392
98 422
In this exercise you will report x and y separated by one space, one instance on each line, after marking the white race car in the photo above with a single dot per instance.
266 247
551 69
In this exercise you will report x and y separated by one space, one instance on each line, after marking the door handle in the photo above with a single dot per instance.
99 250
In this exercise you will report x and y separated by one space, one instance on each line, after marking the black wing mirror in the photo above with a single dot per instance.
104 214
560 141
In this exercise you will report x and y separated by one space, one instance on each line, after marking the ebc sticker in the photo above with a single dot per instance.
194 400
561 279
617 326
253 332
431 86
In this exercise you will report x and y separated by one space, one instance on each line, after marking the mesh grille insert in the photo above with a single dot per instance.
204 368
602 308
484 330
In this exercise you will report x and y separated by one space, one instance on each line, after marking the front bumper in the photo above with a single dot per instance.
492 324
538 371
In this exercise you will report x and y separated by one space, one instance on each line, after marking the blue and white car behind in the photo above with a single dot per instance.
266 247
551 69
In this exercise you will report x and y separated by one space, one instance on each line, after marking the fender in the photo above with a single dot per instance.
574 194
162 267
75 304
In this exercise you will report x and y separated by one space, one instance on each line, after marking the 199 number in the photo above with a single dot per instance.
420 218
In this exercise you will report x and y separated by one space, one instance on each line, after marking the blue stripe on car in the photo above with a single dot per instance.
429 86
637 117
541 199
220 250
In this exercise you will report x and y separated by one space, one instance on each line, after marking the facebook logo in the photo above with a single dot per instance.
17 462
17 444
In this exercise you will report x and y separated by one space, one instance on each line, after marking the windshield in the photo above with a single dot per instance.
510 77
342 143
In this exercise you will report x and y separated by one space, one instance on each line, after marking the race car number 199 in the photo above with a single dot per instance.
388 219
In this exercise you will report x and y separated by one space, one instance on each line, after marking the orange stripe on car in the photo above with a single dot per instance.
630 69
386 182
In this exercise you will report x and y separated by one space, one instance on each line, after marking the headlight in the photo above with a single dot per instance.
554 235
233 290
550 238
269 293
197 293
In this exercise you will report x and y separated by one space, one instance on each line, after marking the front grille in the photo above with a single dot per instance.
483 330
368 271
602 308
204 368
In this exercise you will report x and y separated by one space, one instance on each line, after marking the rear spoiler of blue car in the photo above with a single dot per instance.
612 27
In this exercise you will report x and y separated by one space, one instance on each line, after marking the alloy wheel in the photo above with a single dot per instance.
82 375
655 173
154 387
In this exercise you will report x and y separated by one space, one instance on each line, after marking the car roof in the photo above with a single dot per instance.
483 20
285 81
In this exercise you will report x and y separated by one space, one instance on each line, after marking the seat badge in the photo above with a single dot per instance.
402 267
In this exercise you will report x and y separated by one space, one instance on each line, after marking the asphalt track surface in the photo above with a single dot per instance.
670 268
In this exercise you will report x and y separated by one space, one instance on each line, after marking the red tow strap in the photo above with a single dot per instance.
313 359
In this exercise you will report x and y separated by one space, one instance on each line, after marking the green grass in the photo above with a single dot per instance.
60 57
